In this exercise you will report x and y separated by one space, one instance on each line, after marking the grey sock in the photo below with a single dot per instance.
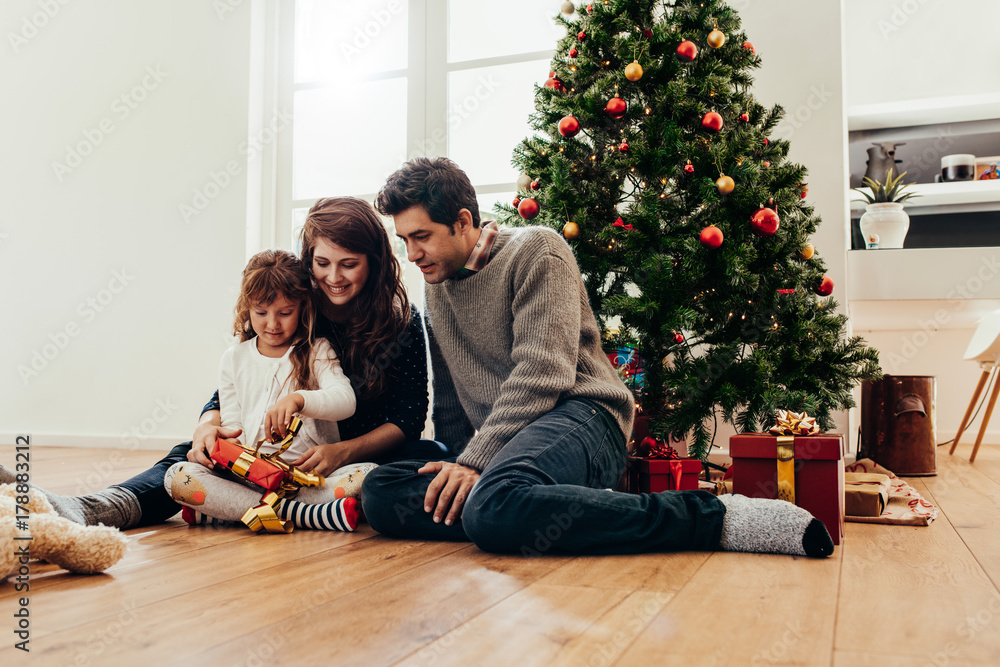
7 476
114 506
760 525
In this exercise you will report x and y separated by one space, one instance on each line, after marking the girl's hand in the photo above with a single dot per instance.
323 459
280 416
204 439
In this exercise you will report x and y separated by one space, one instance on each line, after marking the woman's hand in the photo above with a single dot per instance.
280 415
204 441
323 459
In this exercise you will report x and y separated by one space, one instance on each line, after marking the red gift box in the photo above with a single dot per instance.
246 465
819 473
648 475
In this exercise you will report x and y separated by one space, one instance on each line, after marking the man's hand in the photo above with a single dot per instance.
323 459
280 415
204 441
449 490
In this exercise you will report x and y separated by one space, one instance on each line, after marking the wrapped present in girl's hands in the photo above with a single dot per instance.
279 478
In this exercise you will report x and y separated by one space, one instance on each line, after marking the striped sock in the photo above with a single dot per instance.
193 517
339 515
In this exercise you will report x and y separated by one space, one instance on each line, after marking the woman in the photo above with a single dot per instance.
378 336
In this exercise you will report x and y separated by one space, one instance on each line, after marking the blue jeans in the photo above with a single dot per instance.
546 491
157 506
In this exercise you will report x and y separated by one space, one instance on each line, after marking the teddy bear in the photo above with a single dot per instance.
80 549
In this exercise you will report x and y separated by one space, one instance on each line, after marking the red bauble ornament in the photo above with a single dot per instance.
573 53
516 202
555 83
648 443
749 47
581 35
590 9
712 121
528 208
569 126
678 338
623 147
616 107
689 168
765 221
647 33
711 237
687 51
535 185
744 117
765 164
825 287
766 142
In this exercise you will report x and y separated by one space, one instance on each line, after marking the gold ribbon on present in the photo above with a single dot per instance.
264 516
787 426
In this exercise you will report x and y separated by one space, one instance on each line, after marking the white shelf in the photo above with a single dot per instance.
960 196
927 111
907 289
924 273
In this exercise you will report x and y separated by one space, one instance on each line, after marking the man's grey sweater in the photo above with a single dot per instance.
511 342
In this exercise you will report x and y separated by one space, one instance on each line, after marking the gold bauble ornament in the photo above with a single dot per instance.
716 38
725 184
571 230
806 252
633 71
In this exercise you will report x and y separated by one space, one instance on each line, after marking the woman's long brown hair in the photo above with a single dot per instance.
381 309
268 275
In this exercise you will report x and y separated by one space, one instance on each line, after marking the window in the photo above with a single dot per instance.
375 82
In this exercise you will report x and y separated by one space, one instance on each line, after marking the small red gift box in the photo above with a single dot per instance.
647 475
818 464
242 462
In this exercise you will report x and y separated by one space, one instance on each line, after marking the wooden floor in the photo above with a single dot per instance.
206 596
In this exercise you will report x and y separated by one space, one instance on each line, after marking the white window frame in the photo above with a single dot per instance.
272 88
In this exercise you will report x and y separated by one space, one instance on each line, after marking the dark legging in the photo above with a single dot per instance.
157 506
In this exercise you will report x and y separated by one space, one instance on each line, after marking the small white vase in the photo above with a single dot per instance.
888 220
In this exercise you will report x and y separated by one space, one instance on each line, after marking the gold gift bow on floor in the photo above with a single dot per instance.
788 425
263 516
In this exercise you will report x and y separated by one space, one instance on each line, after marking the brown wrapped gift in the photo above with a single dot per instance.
866 493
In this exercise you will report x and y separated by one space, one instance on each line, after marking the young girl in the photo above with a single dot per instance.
279 370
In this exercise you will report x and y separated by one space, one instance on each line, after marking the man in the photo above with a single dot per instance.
525 395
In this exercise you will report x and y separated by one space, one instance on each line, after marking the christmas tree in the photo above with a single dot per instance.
689 224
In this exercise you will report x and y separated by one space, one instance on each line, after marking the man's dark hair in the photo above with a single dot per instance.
437 184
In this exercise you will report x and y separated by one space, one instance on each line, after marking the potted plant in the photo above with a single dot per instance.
884 218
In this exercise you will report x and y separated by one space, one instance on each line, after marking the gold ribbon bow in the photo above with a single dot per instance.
787 426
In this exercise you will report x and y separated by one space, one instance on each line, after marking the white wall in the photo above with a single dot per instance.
116 308
914 49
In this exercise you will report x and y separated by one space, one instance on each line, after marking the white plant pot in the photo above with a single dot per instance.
889 221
